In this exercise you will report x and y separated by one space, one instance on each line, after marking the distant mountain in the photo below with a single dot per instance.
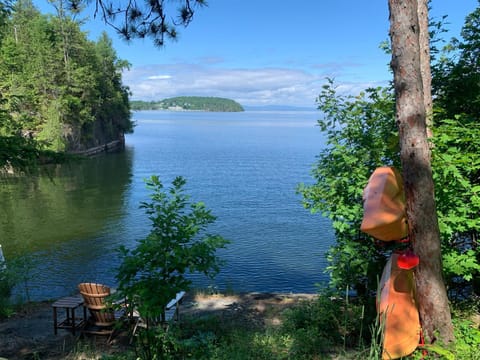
279 108
189 103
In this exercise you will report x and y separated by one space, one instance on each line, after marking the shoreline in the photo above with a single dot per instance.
30 330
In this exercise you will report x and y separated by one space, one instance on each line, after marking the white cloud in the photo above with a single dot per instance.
159 77
262 86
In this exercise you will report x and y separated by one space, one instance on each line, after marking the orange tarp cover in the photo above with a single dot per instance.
384 205
398 311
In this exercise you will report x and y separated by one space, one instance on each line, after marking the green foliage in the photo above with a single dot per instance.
56 85
156 343
456 162
213 336
52 129
17 152
24 154
316 334
461 264
198 103
243 344
14 273
156 20
7 282
138 105
361 136
156 269
467 335
329 322
456 76
114 111
456 165
466 346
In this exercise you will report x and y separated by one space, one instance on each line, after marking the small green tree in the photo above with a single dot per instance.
152 273
361 136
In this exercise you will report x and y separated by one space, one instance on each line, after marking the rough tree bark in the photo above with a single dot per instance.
416 167
424 40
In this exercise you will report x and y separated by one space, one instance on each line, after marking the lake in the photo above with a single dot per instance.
244 166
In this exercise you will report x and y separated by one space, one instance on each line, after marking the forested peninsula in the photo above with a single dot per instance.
59 91
190 103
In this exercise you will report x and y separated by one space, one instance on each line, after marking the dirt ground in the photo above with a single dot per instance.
29 334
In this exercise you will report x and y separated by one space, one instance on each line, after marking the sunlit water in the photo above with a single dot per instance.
244 166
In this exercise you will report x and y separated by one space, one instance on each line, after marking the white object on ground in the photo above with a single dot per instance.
3 265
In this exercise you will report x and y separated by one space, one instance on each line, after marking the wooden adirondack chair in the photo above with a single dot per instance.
102 317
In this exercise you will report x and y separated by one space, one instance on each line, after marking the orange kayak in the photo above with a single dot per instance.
384 215
398 311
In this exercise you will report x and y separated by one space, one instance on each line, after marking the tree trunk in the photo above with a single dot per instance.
424 40
416 166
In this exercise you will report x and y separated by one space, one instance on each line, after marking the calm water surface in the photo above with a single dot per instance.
244 166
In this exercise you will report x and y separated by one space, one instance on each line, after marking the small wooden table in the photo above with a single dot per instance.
70 304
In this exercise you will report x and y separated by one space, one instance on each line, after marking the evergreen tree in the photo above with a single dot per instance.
152 19
456 83
114 111
56 86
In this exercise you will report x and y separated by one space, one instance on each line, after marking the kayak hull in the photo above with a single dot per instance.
384 215
398 311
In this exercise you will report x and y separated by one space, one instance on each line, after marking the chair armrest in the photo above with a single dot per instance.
175 302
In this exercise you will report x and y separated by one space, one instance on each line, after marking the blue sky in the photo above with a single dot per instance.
269 52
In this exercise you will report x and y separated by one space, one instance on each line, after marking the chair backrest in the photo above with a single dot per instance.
94 299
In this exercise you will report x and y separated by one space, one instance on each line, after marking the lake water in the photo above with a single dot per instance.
244 166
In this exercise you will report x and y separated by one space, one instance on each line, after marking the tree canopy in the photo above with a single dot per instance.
144 19
58 89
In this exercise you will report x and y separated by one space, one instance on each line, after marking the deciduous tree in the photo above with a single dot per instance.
156 269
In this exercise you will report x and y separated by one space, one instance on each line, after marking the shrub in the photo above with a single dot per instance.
326 324
6 285
153 272
18 271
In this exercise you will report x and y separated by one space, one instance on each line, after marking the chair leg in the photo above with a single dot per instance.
135 328
110 337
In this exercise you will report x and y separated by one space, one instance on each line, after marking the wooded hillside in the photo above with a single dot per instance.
56 86
192 103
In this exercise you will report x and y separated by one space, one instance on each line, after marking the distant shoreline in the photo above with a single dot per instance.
247 109
190 103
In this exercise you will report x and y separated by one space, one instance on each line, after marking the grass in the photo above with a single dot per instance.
257 326
327 327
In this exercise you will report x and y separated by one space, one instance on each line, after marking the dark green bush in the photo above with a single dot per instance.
6 285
